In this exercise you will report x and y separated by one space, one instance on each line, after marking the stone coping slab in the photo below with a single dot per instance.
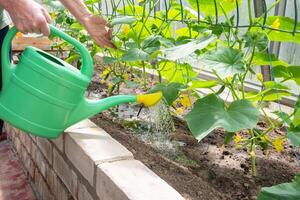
117 175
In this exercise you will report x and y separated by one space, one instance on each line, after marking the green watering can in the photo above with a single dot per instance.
44 95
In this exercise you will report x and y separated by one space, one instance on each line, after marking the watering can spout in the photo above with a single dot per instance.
88 108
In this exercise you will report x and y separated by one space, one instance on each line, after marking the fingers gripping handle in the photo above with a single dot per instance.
7 67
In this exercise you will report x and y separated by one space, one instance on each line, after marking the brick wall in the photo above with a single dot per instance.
86 163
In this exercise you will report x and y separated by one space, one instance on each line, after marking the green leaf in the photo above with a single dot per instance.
185 32
296 120
170 91
266 59
181 51
297 105
76 26
175 72
135 54
151 41
284 191
267 95
285 23
110 60
208 7
228 137
225 61
210 112
294 136
283 116
151 44
260 40
123 20
202 84
289 72
275 85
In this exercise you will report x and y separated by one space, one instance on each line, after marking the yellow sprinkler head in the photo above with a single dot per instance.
149 99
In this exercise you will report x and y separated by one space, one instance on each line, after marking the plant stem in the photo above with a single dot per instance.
234 95
252 153
267 117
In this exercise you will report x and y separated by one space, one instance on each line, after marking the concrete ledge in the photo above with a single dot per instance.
131 179
87 163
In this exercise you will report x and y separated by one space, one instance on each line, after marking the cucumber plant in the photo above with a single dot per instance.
148 40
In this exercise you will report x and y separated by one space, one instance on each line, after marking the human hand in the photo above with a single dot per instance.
97 28
29 16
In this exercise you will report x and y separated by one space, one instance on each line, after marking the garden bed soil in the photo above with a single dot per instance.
219 173
204 170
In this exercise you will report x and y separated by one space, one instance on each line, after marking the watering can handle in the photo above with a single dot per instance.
7 66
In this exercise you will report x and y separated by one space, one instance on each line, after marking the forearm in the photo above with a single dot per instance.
77 9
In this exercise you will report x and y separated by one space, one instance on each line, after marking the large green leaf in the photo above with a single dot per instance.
181 51
186 32
208 6
210 112
225 61
284 191
170 91
135 54
266 59
175 72
151 44
275 85
202 84
283 23
267 95
289 72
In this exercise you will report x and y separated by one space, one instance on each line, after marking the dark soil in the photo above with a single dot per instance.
221 173
205 170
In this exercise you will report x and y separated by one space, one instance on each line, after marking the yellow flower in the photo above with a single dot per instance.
53 15
276 23
260 77
237 138
229 78
125 76
179 111
109 85
105 72
185 101
277 144
252 153
126 29
102 81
